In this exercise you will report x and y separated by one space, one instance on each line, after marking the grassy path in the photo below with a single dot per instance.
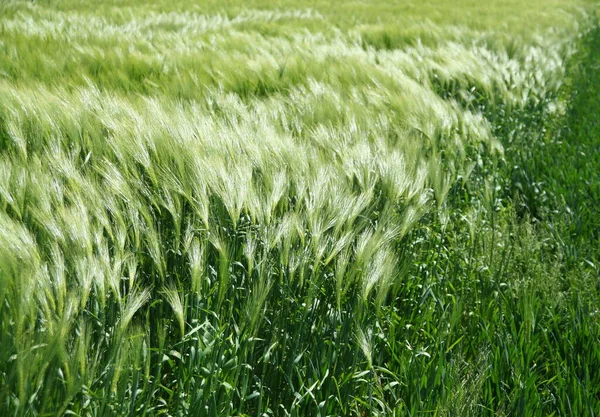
527 285
563 171
573 169
564 174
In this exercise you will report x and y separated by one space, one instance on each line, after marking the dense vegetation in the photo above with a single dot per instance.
234 208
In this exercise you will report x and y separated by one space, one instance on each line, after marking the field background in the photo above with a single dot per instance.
251 208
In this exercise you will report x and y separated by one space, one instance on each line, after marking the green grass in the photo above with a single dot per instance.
299 209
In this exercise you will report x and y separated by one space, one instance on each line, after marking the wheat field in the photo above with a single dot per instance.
299 208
